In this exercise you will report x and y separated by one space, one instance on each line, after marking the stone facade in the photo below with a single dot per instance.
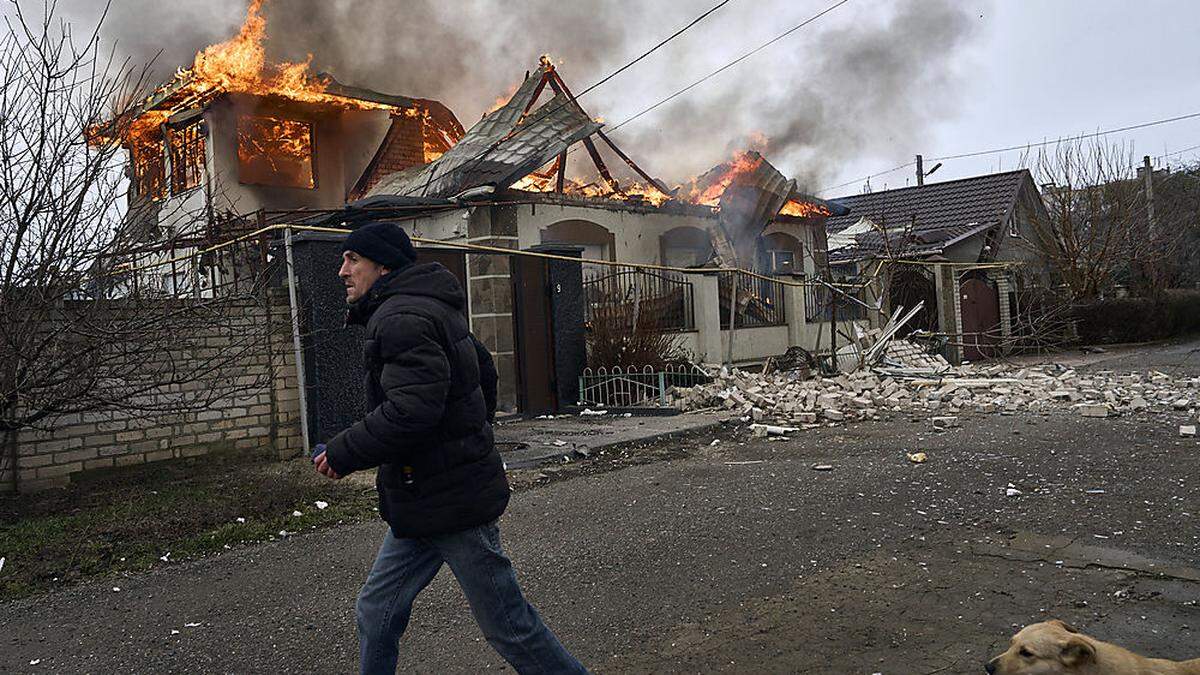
264 415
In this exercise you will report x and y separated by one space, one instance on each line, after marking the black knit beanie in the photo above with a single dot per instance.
385 243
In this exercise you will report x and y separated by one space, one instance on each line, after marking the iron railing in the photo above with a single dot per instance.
818 303
633 387
759 301
635 295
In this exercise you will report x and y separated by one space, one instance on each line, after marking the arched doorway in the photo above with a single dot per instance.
597 242
780 253
685 246
980 304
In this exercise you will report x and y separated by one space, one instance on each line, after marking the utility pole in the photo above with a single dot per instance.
1149 177
920 170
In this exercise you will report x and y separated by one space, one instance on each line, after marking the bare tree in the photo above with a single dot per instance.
1098 232
66 346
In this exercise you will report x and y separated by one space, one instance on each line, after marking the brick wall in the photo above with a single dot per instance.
262 415
402 147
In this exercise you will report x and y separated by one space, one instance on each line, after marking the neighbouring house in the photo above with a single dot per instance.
962 246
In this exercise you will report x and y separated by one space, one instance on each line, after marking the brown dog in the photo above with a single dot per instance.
1054 648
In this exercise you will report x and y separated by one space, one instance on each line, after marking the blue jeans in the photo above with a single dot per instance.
406 566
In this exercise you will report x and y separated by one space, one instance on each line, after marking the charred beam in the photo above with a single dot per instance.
600 165
633 165
536 93
560 182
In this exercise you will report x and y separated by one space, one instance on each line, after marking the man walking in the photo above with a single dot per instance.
441 481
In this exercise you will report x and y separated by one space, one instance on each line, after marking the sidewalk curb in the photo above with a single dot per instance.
586 451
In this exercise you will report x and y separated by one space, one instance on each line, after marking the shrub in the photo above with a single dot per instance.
621 335
1113 320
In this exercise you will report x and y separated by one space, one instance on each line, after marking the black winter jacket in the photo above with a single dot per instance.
428 429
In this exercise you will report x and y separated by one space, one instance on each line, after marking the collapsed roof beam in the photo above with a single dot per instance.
559 87
536 94
632 165
560 182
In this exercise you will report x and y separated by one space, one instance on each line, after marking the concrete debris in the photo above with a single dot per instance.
912 355
944 422
1187 430
923 384
763 430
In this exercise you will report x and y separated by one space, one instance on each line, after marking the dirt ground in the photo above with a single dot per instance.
737 556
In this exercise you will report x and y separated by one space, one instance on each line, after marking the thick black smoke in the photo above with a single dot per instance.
865 80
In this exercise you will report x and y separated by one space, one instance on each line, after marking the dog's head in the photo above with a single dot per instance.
1048 648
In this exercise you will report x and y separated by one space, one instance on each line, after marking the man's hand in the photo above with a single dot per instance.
322 463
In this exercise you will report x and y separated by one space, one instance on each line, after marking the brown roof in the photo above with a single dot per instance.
931 216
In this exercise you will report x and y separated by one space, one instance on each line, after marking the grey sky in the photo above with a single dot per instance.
859 91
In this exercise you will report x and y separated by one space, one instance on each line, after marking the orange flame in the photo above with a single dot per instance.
547 181
240 65
803 209
707 189
275 151
501 100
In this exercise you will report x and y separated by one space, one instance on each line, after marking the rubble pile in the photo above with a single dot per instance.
787 398
913 355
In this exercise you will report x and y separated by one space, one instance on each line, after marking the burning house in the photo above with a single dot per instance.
506 184
235 142
236 135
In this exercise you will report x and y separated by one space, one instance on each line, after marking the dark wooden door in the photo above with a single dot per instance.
534 336
980 318
454 260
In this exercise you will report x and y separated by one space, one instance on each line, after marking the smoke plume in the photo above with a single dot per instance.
864 80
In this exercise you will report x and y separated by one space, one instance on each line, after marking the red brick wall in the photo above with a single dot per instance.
402 147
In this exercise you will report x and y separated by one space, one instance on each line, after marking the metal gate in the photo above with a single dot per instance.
534 331
980 304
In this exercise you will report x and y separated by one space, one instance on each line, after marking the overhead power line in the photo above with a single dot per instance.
608 77
1095 134
1025 146
732 63
653 49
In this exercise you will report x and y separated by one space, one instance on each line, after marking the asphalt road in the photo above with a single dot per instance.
736 557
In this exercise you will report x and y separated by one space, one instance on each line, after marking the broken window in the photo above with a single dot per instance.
275 151
187 157
149 167
780 262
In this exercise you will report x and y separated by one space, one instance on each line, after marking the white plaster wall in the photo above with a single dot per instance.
637 233
689 342
755 344
445 226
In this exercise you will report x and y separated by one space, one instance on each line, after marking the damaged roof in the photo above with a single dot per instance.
177 94
924 220
500 149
